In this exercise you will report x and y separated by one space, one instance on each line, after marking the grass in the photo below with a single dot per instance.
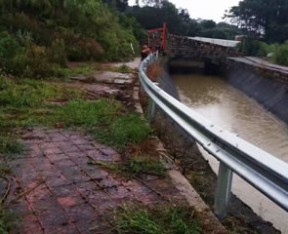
127 129
30 103
135 166
78 70
88 114
138 165
8 145
122 69
7 220
164 220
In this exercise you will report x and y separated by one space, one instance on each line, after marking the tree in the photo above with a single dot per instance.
262 18
119 5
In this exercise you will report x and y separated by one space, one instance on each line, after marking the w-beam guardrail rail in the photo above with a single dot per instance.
262 170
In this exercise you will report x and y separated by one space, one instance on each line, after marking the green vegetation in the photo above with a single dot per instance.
78 70
122 69
275 53
154 13
135 166
278 53
37 38
165 220
7 220
262 19
144 165
8 145
30 102
130 128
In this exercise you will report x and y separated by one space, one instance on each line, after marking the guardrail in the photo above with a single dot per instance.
262 170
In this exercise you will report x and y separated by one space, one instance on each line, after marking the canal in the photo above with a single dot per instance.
232 110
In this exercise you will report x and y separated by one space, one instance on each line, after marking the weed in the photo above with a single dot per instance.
8 145
122 69
77 70
4 169
165 220
7 220
140 165
124 130
134 166
88 114
24 93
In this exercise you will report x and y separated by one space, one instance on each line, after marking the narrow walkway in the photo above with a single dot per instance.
61 185
58 191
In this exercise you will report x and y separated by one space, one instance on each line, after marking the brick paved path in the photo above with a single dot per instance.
56 191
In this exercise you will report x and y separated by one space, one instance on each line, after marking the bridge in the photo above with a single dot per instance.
195 48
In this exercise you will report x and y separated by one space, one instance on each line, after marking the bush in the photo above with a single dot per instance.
9 46
84 49
280 56
278 53
250 47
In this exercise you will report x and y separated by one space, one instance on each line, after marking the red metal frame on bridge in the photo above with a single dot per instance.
163 37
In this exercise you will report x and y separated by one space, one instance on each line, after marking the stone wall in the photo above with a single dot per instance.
184 47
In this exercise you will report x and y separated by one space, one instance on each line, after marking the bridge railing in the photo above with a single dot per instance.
262 170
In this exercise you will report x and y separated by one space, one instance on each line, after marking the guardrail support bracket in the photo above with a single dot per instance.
223 191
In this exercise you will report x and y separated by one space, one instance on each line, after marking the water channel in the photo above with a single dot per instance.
232 110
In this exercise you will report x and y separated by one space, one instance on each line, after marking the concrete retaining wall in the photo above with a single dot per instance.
268 87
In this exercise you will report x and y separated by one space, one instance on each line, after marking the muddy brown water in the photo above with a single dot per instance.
232 110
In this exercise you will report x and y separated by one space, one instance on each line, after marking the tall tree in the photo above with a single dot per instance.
262 18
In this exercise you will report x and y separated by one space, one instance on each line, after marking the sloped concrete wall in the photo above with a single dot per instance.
266 86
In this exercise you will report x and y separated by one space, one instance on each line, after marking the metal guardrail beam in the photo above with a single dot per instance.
262 170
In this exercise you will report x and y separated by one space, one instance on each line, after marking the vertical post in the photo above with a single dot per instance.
223 190
151 110
164 37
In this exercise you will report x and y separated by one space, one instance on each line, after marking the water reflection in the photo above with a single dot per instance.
232 110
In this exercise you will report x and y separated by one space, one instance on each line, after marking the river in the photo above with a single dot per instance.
232 110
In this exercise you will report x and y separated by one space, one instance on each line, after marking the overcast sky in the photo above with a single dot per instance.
204 9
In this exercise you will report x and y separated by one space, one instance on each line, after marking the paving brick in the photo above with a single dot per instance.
75 197
55 157
69 149
64 163
76 154
108 182
39 193
85 146
54 150
58 181
29 224
108 151
70 201
96 174
81 160
88 188
75 174
82 217
119 192
65 229
52 218
63 190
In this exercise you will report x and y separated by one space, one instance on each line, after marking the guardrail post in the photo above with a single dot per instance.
151 110
223 190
